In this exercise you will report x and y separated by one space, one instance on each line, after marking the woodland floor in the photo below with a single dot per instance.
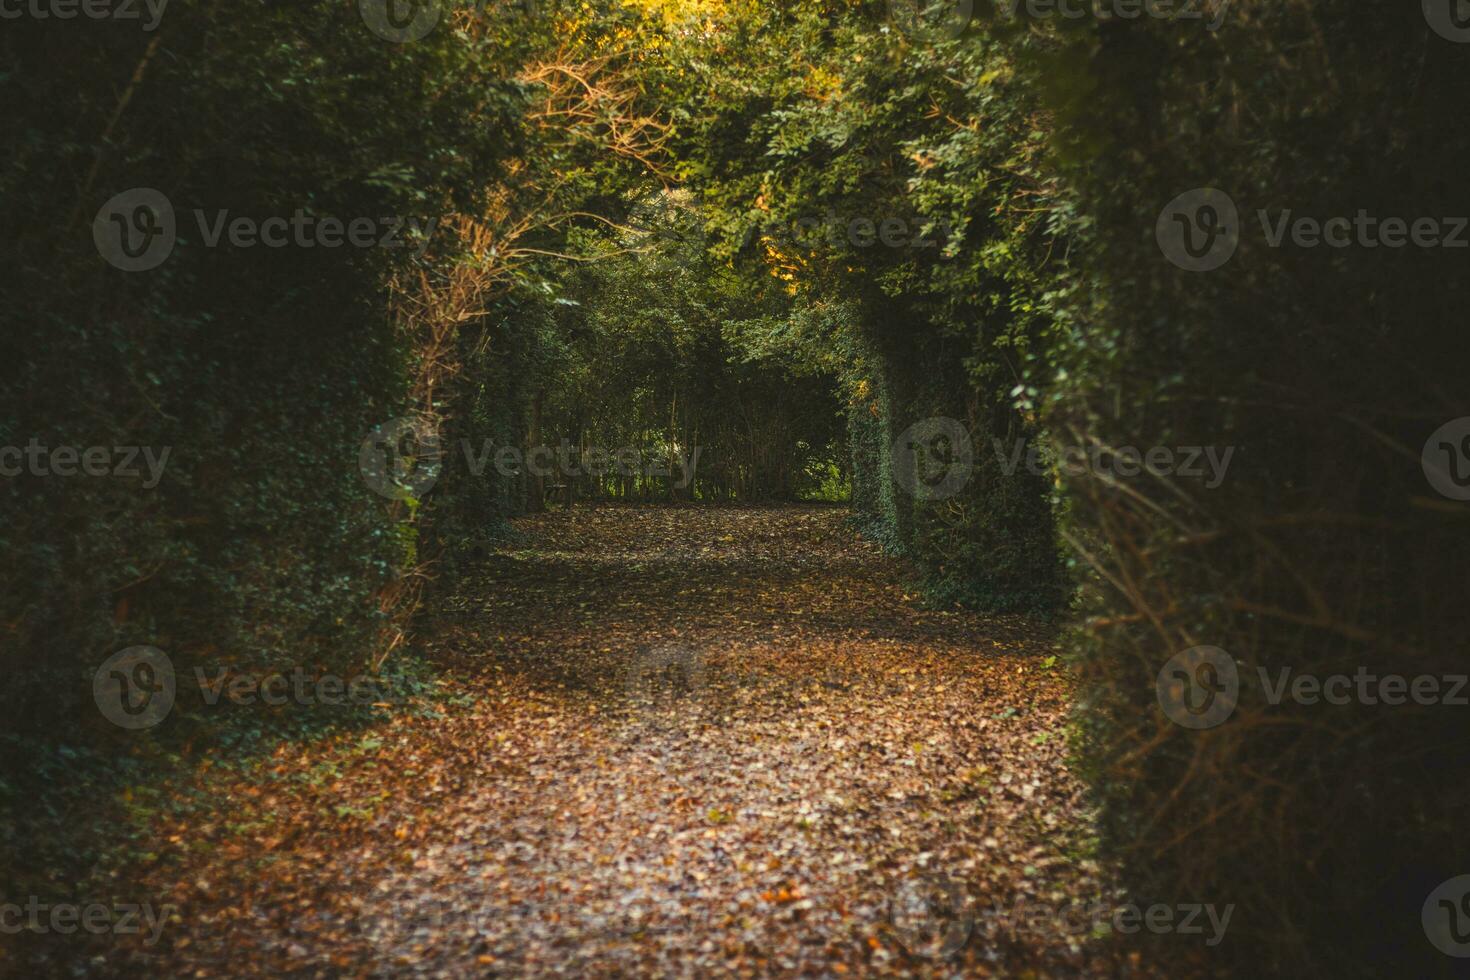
684 742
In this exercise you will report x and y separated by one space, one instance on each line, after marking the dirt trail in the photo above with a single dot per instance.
690 742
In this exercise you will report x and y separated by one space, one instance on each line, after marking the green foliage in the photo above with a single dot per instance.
259 369
807 136
665 351
763 312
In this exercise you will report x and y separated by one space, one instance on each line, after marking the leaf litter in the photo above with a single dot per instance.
690 742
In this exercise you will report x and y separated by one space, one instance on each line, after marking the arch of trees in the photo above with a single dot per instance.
784 234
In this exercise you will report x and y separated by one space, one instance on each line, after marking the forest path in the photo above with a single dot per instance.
690 741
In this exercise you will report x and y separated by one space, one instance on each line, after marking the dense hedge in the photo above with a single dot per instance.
938 464
1324 549
259 369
